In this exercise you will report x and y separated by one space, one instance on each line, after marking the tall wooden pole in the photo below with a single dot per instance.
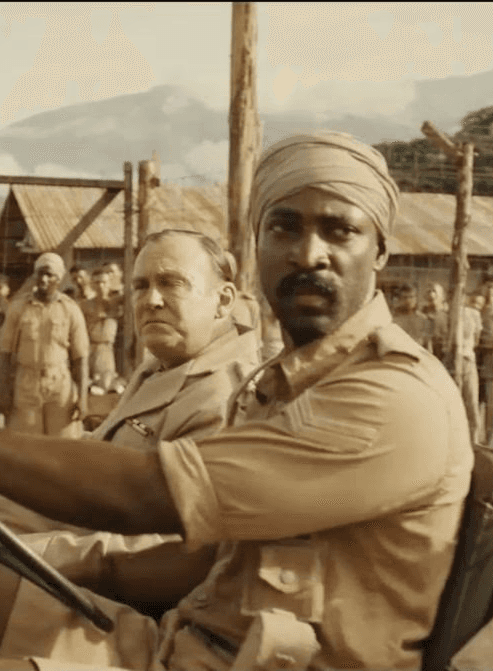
460 264
128 260
145 173
464 157
244 138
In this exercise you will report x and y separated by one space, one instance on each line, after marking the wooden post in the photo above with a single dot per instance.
460 265
128 259
143 196
244 138
464 157
148 179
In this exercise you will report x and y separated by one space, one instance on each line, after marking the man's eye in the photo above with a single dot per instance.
341 232
283 226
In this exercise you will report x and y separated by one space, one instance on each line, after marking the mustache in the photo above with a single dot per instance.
290 284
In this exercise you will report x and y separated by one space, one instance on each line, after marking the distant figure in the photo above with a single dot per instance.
81 283
115 274
101 314
407 315
486 351
471 332
116 292
436 312
43 357
4 297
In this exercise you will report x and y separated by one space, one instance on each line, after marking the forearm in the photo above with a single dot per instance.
88 483
162 574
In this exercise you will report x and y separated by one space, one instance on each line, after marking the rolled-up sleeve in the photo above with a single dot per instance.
338 454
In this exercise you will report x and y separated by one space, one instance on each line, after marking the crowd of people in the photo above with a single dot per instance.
238 514
429 326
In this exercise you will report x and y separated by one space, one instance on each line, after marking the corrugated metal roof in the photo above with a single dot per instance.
425 225
52 211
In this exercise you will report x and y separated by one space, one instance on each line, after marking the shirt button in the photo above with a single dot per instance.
288 577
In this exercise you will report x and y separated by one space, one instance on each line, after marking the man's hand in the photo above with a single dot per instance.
79 411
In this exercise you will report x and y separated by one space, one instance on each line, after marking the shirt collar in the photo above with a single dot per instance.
222 349
56 297
305 365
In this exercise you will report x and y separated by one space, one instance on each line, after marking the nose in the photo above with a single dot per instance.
154 297
310 251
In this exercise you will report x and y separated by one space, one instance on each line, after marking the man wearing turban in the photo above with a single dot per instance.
335 494
44 353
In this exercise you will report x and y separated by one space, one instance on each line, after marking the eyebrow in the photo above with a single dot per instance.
170 274
325 218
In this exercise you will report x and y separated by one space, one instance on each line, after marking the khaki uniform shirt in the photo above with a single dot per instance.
43 335
339 495
189 400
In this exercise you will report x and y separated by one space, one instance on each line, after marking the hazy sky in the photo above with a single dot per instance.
339 57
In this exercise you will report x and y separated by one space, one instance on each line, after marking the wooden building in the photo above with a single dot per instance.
420 248
35 219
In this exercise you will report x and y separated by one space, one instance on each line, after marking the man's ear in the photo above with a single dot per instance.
382 256
227 300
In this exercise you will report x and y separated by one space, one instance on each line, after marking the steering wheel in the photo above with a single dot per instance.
20 558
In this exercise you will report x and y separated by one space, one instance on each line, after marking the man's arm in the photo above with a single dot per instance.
161 574
88 483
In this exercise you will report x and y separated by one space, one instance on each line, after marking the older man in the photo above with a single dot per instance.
44 353
336 492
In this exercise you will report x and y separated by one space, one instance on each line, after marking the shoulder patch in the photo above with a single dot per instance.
332 433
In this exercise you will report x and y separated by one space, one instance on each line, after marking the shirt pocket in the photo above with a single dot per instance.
286 575
59 331
29 327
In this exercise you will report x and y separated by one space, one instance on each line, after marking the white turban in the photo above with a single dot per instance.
335 162
53 262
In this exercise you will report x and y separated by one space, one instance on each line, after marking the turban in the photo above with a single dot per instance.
53 262
335 162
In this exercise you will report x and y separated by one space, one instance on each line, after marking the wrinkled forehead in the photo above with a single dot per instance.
181 254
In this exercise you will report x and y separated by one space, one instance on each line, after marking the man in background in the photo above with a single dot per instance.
408 316
44 357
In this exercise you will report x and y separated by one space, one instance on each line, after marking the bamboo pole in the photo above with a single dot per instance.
244 138
128 254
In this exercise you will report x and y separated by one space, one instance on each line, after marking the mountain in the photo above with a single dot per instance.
94 139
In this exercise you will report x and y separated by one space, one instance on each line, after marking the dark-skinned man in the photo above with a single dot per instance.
335 494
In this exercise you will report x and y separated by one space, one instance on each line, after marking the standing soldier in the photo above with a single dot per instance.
437 315
101 314
43 357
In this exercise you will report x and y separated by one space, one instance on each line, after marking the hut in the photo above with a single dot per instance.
35 219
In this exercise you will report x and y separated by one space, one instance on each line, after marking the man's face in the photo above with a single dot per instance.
47 282
317 259
433 296
80 278
115 275
101 284
175 298
409 301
